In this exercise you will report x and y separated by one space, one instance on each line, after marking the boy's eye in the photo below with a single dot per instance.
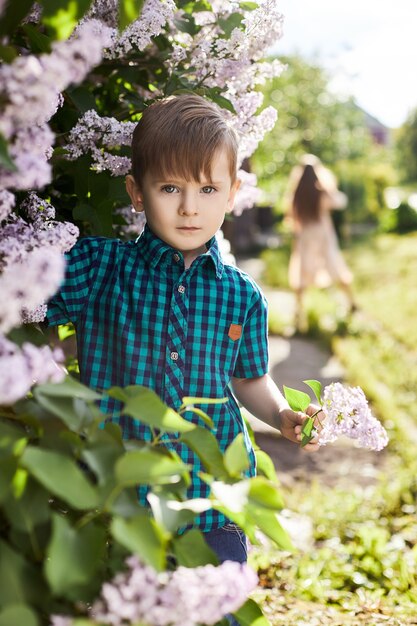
169 188
208 189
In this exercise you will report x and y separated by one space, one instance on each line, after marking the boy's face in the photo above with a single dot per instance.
186 214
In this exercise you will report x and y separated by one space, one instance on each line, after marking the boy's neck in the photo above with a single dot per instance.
190 256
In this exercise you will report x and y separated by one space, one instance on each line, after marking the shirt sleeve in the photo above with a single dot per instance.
252 360
67 304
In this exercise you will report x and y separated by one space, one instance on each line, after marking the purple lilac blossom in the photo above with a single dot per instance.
92 133
21 368
347 413
31 85
7 202
26 284
184 597
135 222
138 35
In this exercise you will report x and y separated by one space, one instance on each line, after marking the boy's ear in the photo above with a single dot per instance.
134 193
232 195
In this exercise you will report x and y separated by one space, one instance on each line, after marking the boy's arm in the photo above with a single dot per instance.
261 397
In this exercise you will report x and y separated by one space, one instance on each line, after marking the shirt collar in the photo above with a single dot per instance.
156 252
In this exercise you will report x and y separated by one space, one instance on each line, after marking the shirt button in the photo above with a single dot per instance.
174 356
176 257
181 288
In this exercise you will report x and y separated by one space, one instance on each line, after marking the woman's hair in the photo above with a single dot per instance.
180 135
307 195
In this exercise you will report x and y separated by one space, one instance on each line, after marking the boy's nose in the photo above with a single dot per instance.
188 205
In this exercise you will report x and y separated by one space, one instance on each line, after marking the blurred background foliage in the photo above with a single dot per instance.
366 157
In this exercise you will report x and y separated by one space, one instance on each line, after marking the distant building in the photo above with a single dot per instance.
380 133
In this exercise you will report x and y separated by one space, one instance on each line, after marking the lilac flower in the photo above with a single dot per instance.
92 132
7 202
30 149
21 367
29 283
347 413
248 193
184 597
138 35
135 221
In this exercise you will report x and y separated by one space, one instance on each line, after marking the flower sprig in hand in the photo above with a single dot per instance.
346 412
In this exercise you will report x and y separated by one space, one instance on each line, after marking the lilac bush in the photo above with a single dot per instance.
50 125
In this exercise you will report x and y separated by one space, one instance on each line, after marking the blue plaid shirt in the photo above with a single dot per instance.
141 318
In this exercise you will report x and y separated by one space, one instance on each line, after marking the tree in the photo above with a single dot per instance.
311 119
406 148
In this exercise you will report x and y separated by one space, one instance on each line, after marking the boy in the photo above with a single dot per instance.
164 311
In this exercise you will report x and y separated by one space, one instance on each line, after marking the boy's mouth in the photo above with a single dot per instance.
188 228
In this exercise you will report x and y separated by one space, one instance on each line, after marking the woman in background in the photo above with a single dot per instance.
316 259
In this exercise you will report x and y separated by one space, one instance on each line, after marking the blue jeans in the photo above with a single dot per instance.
229 543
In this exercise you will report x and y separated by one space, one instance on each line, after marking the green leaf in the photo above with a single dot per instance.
186 24
141 535
234 497
67 389
298 400
172 514
20 581
194 400
222 102
262 492
13 14
191 549
230 23
205 445
265 466
145 405
204 417
74 557
61 476
129 10
194 7
30 510
5 159
38 41
248 6
149 467
306 431
62 16
250 614
316 386
236 459
18 615
268 523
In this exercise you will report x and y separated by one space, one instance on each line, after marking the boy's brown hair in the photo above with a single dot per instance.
180 136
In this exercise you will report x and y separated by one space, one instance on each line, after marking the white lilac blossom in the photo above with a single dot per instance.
248 193
138 35
26 284
7 202
21 367
30 148
347 413
184 597
92 134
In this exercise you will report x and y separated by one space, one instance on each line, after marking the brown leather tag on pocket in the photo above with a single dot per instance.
235 331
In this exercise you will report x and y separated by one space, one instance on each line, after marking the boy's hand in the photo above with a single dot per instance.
291 423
